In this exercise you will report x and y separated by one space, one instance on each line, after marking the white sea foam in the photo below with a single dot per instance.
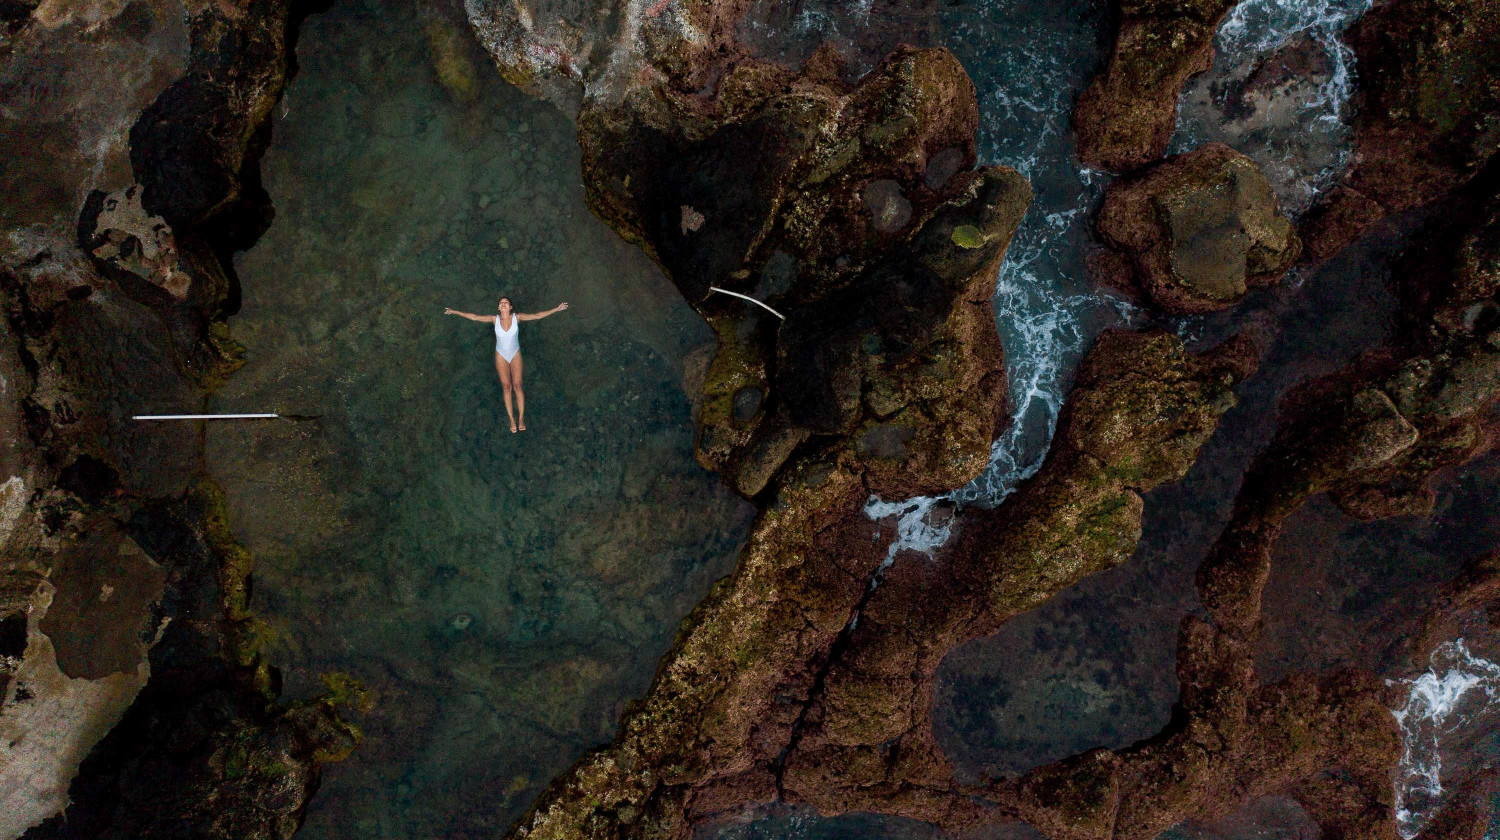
1304 146
914 524
1458 692
1259 26
1028 65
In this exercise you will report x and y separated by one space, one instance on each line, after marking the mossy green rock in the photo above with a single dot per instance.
1198 230
967 236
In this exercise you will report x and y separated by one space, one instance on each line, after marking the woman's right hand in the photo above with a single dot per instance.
449 312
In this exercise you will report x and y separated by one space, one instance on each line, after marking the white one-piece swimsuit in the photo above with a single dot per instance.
508 342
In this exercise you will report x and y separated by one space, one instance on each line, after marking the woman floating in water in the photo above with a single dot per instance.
508 351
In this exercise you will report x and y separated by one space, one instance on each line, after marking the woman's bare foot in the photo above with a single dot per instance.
523 425
513 427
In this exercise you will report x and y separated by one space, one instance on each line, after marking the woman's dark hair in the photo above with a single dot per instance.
504 297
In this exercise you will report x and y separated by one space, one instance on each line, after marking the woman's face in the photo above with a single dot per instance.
504 306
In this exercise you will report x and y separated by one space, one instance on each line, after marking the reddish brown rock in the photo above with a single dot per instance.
1428 113
772 690
1328 740
1141 408
855 730
798 679
888 335
1125 117
1198 230
1476 589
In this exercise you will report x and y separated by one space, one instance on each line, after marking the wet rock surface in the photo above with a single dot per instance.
838 187
885 376
1427 118
1125 117
108 306
854 741
1196 231
205 750
1141 409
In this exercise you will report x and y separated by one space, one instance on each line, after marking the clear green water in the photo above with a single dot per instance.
503 595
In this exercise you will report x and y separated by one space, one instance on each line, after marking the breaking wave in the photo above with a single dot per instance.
1299 134
1455 694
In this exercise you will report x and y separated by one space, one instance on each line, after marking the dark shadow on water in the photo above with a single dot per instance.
1095 666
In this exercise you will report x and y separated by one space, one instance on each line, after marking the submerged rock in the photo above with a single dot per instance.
1297 68
1125 117
1197 231
114 278
447 47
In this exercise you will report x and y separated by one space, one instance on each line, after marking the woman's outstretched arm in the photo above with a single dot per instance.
488 319
537 316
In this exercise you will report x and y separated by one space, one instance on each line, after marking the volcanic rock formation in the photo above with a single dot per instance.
806 675
1196 231
889 338
1427 113
855 210
128 194
1125 117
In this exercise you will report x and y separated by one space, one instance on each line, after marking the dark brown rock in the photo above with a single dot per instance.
1428 112
114 296
205 750
888 321
836 714
848 726
98 619
1125 117
1199 229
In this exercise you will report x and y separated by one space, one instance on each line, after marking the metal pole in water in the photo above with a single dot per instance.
747 297
205 416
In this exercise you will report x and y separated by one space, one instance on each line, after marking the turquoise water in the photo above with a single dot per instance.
1029 61
503 595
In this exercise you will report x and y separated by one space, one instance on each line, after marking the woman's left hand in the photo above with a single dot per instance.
562 306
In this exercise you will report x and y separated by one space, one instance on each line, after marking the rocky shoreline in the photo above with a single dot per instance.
855 208
117 281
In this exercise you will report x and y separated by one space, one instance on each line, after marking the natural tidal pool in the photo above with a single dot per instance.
501 595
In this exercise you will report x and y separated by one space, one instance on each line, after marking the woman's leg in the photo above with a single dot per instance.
502 369
515 375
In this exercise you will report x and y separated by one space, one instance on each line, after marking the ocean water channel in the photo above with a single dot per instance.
503 596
